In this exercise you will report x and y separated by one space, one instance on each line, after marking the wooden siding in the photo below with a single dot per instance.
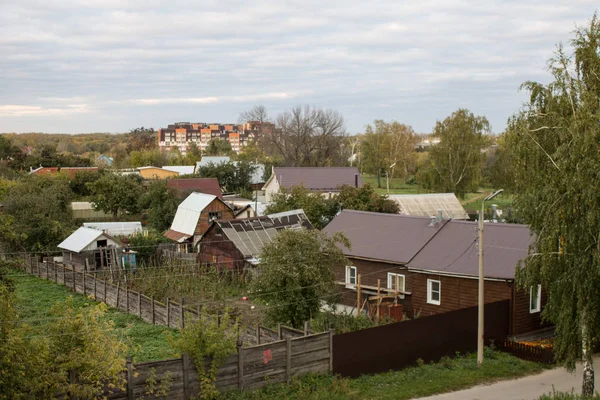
523 320
204 221
218 250
456 293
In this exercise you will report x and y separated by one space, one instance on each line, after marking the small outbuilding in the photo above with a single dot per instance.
90 249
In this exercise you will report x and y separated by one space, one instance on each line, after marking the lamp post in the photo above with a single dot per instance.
480 303
387 177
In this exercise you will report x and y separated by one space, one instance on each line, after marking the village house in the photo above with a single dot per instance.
430 265
69 171
165 172
90 249
236 244
325 180
193 218
185 187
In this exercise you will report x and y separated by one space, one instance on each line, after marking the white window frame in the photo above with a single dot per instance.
538 305
348 269
391 276
430 299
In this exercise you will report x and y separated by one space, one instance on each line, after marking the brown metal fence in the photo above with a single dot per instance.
399 345
527 352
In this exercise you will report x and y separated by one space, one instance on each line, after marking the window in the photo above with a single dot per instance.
396 281
535 299
434 292
218 231
212 215
350 275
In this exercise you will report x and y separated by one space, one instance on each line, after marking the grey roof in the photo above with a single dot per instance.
79 239
454 249
251 234
212 160
387 237
315 178
426 205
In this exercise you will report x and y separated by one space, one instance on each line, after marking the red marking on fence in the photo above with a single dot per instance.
267 356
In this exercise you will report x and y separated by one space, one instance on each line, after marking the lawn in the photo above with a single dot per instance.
425 380
397 186
35 298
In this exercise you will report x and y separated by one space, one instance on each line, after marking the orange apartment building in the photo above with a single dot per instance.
181 134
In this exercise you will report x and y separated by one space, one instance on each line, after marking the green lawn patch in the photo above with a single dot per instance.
35 298
424 380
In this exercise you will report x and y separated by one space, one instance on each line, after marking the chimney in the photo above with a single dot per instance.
432 221
440 215
356 180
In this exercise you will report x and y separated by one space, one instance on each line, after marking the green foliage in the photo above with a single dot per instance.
296 273
318 209
161 202
343 323
232 177
37 213
80 184
149 157
208 341
146 244
141 139
217 147
554 395
455 163
157 390
414 382
555 141
116 194
365 199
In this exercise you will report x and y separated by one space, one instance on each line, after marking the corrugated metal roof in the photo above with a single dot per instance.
387 237
427 205
212 160
116 228
176 236
313 178
79 239
454 249
251 234
203 185
180 169
188 212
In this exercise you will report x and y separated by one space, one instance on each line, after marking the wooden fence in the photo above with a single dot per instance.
526 351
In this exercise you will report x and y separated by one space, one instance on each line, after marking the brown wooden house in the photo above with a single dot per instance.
430 266
193 218
236 244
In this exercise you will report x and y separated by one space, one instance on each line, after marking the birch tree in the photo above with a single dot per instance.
555 141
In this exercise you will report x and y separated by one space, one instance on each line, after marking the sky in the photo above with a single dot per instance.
78 66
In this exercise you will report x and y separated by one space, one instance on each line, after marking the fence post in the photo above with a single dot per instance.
73 276
240 350
279 336
182 314
305 328
129 379
140 304
104 298
83 278
126 299
184 370
72 379
95 286
64 275
55 273
118 292
153 317
288 359
331 332
258 334
168 312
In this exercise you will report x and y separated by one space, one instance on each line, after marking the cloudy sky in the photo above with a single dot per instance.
112 65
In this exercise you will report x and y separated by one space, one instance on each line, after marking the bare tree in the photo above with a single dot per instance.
306 136
257 113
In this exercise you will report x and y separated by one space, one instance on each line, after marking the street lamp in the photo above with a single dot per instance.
480 303
387 177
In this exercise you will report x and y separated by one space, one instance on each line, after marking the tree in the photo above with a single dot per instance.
306 137
455 163
145 158
217 147
116 194
296 274
141 139
40 209
161 203
257 113
318 209
365 199
555 143
79 183
232 177
499 168
193 154
388 147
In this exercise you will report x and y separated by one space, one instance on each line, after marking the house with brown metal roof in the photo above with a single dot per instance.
430 265
185 187
236 244
326 180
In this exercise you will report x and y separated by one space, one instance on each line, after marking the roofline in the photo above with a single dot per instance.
269 180
399 263
442 225
457 275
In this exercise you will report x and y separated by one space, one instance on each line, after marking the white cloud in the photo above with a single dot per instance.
14 110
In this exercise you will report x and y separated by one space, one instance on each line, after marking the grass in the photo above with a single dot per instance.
425 380
397 186
567 396
35 298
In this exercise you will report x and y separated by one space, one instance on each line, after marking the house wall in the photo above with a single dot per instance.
216 249
156 173
204 221
456 293
523 320
270 188
109 242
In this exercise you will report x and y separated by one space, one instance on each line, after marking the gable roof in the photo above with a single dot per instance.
454 249
180 169
386 237
188 213
202 185
249 235
317 178
427 205
79 239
